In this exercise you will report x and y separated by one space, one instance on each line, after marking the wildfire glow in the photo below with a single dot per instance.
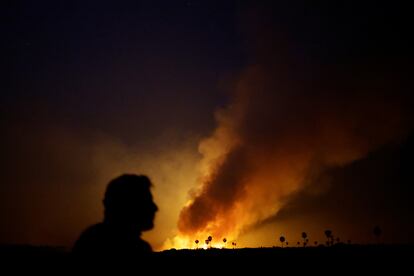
186 242
259 155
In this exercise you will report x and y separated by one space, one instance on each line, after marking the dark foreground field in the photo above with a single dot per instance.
339 257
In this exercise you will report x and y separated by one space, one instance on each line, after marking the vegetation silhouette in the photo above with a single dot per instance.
129 210
329 236
377 233
304 237
210 239
282 240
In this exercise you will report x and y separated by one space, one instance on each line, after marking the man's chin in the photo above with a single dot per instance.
148 227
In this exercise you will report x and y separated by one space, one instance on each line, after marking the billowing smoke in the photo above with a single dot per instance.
272 142
288 122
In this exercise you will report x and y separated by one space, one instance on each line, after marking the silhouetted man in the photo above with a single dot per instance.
129 210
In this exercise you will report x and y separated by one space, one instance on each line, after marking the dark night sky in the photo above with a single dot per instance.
89 87
89 64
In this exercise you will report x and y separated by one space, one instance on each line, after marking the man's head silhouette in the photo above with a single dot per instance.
129 210
128 202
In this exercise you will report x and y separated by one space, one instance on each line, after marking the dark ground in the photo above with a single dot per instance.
337 259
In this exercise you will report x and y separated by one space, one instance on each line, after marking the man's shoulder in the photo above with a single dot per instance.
98 227
95 231
90 237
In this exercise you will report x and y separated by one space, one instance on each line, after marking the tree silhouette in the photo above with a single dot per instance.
234 244
196 242
210 238
377 233
316 243
282 239
224 241
328 234
304 237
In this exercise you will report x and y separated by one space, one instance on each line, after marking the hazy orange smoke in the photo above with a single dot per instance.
274 139
287 123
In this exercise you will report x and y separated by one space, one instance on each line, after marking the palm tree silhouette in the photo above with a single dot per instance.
282 239
328 234
234 244
304 236
196 242
224 241
377 233
210 238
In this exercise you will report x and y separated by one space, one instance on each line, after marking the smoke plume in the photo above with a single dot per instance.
288 122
